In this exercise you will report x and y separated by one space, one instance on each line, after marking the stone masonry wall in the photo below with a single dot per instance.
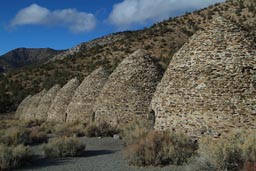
22 107
31 111
46 102
81 105
129 89
57 110
209 86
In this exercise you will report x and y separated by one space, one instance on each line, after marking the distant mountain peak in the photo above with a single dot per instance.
21 57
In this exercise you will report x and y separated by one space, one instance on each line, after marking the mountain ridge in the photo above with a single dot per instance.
21 57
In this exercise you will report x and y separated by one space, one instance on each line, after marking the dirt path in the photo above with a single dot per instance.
100 155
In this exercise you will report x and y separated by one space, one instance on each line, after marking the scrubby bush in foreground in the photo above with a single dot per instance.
14 136
64 147
13 157
235 152
21 135
160 148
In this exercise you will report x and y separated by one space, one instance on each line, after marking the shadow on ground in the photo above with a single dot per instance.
92 153
44 162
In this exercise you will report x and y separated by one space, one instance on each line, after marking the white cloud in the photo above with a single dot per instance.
138 11
74 20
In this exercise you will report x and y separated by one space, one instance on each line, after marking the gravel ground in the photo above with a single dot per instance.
101 155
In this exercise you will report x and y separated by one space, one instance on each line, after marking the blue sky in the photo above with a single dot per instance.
62 24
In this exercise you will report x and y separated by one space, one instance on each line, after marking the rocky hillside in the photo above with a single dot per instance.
21 57
167 34
103 41
161 40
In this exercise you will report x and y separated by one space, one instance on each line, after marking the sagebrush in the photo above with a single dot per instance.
64 147
160 148
14 157
20 135
102 129
70 129
236 151
133 131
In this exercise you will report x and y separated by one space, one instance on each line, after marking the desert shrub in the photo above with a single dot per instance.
14 136
7 123
160 148
32 123
249 146
21 135
48 127
235 151
13 157
92 130
102 129
64 147
36 136
71 129
133 131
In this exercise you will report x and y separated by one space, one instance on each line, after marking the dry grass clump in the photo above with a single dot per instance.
70 129
64 147
13 157
14 136
36 136
102 129
32 123
237 151
160 148
20 135
47 127
7 123
133 131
